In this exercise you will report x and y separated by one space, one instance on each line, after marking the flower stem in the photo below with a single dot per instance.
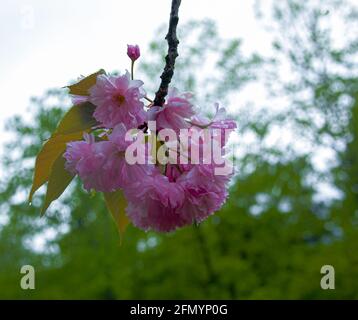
132 70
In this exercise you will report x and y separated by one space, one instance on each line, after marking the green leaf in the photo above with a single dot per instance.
76 121
81 88
51 150
78 118
116 204
58 181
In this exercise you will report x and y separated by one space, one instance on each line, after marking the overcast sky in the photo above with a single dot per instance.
45 44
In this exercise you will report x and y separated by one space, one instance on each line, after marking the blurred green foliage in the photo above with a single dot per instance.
273 235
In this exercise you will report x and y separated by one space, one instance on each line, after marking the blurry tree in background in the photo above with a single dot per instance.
293 206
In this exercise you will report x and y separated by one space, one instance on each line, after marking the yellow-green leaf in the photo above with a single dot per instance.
58 181
52 149
78 118
116 204
81 88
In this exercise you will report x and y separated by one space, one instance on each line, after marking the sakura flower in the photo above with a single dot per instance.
203 201
174 113
154 202
102 165
221 124
94 163
77 150
117 99
76 99
205 192
128 172
166 202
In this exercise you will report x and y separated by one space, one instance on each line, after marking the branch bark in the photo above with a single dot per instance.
173 42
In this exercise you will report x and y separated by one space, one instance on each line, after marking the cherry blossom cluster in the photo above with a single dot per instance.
161 195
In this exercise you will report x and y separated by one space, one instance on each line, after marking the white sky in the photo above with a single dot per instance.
45 44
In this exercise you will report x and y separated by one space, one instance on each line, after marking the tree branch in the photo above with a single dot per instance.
173 42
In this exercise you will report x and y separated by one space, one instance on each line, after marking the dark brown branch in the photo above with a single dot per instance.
173 42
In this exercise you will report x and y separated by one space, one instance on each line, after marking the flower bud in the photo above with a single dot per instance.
133 52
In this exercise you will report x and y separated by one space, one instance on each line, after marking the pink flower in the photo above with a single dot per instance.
203 201
174 113
154 203
93 162
220 123
102 165
78 99
133 52
128 172
76 151
166 202
205 192
117 99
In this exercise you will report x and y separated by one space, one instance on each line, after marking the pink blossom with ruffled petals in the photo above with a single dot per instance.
102 165
128 172
78 99
94 163
118 100
185 195
76 151
154 202
205 192
174 113
220 122
203 201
